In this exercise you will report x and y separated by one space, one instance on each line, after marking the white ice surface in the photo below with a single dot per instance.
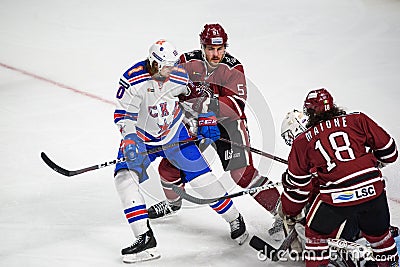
59 66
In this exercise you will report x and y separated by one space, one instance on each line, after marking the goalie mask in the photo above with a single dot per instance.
293 125
164 53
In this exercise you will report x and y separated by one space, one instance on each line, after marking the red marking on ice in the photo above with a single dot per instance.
396 200
37 77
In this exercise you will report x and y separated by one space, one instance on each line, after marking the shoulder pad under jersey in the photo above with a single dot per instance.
230 61
137 73
193 55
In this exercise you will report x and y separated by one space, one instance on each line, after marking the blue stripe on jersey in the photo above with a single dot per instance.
154 138
136 70
139 79
137 73
177 80
121 114
179 75
176 118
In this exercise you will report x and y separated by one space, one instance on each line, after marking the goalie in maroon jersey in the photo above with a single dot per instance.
218 90
334 150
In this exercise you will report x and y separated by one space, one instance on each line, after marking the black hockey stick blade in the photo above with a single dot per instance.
263 247
54 166
268 250
63 171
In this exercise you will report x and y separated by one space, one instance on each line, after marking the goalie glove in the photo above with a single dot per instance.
292 220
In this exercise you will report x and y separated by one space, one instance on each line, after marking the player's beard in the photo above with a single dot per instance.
215 61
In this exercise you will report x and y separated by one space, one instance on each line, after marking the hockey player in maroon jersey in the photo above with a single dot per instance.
334 150
218 90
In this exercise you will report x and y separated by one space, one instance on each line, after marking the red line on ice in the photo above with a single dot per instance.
57 84
396 200
86 94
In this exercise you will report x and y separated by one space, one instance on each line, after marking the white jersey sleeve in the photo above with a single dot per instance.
129 99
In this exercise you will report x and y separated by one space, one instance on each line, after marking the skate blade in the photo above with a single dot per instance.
168 216
241 239
147 255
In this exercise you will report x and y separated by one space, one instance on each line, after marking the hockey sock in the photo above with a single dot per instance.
208 186
169 174
384 246
169 193
127 185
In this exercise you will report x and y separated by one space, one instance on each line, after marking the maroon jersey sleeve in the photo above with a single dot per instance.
232 92
297 183
378 140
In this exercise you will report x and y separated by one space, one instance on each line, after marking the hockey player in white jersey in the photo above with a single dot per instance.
148 116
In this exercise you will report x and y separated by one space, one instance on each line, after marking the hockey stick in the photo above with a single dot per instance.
201 201
357 251
194 114
269 251
251 149
70 173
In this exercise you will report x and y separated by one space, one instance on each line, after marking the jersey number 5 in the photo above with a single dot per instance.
241 88
333 137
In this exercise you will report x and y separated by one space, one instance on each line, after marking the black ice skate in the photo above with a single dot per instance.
238 230
164 208
143 249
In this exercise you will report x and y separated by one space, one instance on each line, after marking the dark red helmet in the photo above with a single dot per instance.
213 34
319 101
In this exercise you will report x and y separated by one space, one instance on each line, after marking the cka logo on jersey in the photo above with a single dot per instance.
353 195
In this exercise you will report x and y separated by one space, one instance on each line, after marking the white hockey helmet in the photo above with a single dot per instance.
293 125
164 53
